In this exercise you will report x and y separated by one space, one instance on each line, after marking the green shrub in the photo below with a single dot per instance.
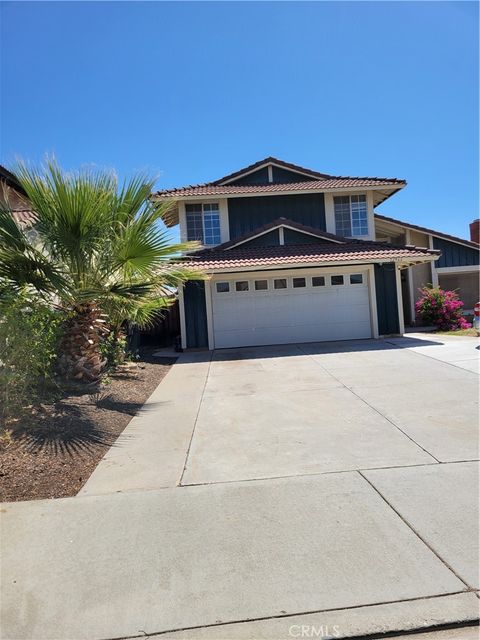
113 349
29 331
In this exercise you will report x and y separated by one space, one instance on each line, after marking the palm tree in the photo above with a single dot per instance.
97 248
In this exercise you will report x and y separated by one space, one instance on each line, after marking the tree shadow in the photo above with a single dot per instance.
69 432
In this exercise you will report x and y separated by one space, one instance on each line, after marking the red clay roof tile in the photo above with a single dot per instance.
314 254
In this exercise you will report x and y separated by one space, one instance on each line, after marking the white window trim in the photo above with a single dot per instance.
330 210
474 268
349 196
223 215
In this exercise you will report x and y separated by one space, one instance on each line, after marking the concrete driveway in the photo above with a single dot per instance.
269 493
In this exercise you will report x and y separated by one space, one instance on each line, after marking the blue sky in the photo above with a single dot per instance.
192 91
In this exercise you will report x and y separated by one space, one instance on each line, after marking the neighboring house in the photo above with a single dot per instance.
457 268
13 196
292 256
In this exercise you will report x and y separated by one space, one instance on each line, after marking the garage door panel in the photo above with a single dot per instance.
303 314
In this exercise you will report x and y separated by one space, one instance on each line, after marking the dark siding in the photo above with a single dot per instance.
270 239
387 306
247 214
284 175
195 315
257 177
455 255
290 236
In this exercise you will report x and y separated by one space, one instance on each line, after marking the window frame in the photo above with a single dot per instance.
209 225
358 227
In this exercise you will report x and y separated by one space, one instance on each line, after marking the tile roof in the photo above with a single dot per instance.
310 185
439 234
315 254
11 180
24 217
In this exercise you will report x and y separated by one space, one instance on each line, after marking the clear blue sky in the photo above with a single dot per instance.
192 91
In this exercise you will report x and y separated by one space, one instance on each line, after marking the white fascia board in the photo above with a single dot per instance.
290 192
283 226
427 233
269 164
474 268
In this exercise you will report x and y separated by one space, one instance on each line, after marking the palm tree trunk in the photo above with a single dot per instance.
80 358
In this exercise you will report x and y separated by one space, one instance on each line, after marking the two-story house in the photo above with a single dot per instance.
292 255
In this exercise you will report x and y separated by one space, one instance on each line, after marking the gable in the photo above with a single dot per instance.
455 255
256 177
283 234
248 214
271 174
283 176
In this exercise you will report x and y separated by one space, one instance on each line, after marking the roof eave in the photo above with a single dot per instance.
401 261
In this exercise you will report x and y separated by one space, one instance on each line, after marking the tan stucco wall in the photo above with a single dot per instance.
421 273
467 285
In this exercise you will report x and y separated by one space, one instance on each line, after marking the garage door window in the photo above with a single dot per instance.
298 282
280 283
356 278
261 285
242 285
318 281
223 287
337 280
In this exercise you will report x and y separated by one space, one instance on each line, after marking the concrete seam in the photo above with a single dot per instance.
195 421
373 408
425 355
300 613
412 528
323 473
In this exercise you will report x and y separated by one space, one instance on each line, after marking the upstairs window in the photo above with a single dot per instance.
203 223
351 217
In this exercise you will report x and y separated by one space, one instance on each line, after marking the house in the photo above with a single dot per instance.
457 267
294 255
13 196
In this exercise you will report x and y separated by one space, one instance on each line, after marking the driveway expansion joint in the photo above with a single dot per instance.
469 588
280 616
179 484
371 406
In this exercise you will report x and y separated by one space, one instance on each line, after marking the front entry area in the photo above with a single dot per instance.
293 306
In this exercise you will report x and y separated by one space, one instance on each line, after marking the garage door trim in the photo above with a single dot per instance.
368 270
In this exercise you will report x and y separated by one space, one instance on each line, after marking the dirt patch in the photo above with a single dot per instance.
52 451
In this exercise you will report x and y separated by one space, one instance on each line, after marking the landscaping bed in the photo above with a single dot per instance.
52 450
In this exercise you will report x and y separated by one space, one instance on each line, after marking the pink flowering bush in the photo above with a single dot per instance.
441 308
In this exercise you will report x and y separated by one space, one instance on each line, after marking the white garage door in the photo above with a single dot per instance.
279 309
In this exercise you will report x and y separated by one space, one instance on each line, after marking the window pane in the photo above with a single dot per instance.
211 222
280 283
356 278
337 280
261 285
211 206
194 227
343 225
223 287
359 216
298 282
318 281
193 208
242 285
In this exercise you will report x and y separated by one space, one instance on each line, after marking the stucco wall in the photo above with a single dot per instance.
467 285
